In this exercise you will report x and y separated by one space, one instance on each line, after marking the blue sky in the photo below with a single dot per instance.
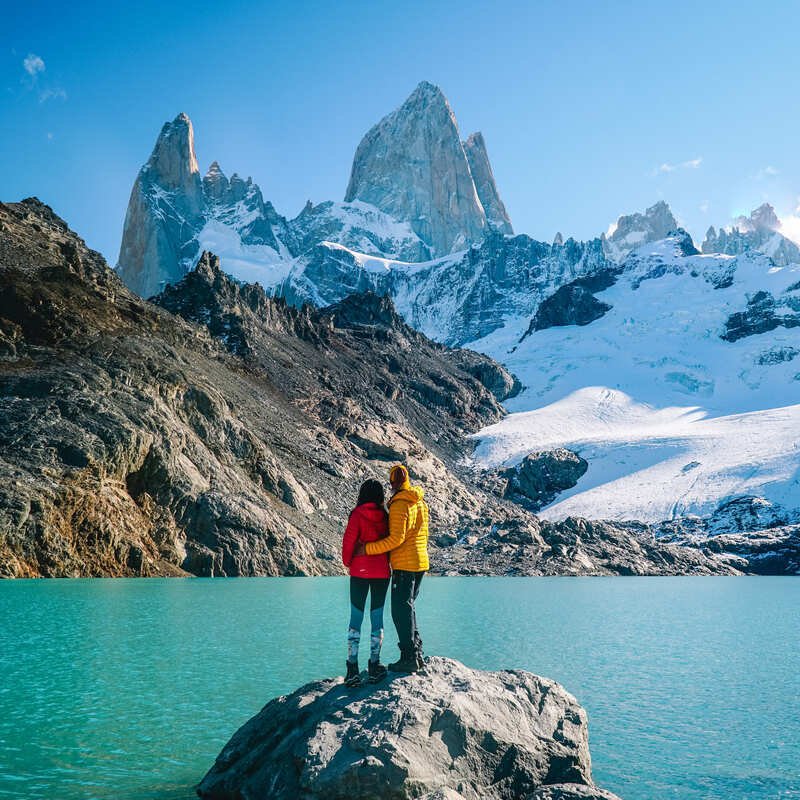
589 109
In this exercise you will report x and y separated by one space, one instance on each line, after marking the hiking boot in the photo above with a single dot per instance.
377 672
420 663
405 664
353 677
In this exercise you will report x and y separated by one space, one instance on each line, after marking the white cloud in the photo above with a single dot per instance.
766 172
50 135
33 64
692 163
55 93
704 206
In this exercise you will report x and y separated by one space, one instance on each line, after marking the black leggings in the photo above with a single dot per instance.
359 588
405 589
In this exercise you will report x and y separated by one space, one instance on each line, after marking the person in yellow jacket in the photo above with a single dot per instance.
407 545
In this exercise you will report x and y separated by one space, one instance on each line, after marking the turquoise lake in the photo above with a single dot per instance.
129 688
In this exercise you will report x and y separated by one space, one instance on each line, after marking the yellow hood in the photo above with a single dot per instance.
410 494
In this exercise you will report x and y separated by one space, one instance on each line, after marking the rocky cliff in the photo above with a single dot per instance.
136 442
412 165
452 733
485 186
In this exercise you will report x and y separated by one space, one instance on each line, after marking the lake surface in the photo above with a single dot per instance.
129 688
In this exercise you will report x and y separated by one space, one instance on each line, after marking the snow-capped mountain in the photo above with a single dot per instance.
416 192
675 374
681 394
760 231
632 230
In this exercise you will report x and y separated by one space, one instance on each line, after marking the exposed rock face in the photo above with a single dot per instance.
412 165
633 230
166 202
171 206
764 313
541 476
412 196
225 432
511 545
482 175
761 231
451 732
456 300
574 303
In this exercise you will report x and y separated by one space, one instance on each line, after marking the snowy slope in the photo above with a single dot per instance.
672 418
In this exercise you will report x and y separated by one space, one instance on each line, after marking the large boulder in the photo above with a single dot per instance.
448 733
541 476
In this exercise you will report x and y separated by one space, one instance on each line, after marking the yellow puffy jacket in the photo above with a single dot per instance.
408 532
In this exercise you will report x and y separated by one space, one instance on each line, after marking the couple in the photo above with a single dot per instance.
374 540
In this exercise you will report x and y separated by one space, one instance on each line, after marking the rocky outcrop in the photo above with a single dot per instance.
540 477
170 205
165 207
412 165
573 303
633 230
451 732
764 313
482 175
761 232
513 545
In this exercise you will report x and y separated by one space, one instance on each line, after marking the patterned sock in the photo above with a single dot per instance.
353 640
375 644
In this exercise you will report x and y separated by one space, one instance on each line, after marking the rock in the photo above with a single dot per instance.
573 303
412 165
482 175
454 301
761 232
166 201
637 229
541 476
571 791
220 432
451 732
763 313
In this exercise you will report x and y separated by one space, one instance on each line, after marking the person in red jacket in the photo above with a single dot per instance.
368 575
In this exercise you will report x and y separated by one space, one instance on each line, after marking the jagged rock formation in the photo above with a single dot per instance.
166 202
412 165
482 175
456 300
574 303
761 231
541 476
412 196
172 211
764 313
453 732
637 229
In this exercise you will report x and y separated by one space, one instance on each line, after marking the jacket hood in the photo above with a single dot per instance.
370 511
413 494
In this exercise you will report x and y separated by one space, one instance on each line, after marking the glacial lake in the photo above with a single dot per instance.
129 688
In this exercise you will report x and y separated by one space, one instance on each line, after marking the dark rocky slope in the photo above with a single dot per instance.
221 432
452 733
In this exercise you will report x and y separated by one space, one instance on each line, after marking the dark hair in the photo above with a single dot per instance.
371 492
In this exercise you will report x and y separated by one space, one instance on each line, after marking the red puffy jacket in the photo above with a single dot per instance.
368 523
